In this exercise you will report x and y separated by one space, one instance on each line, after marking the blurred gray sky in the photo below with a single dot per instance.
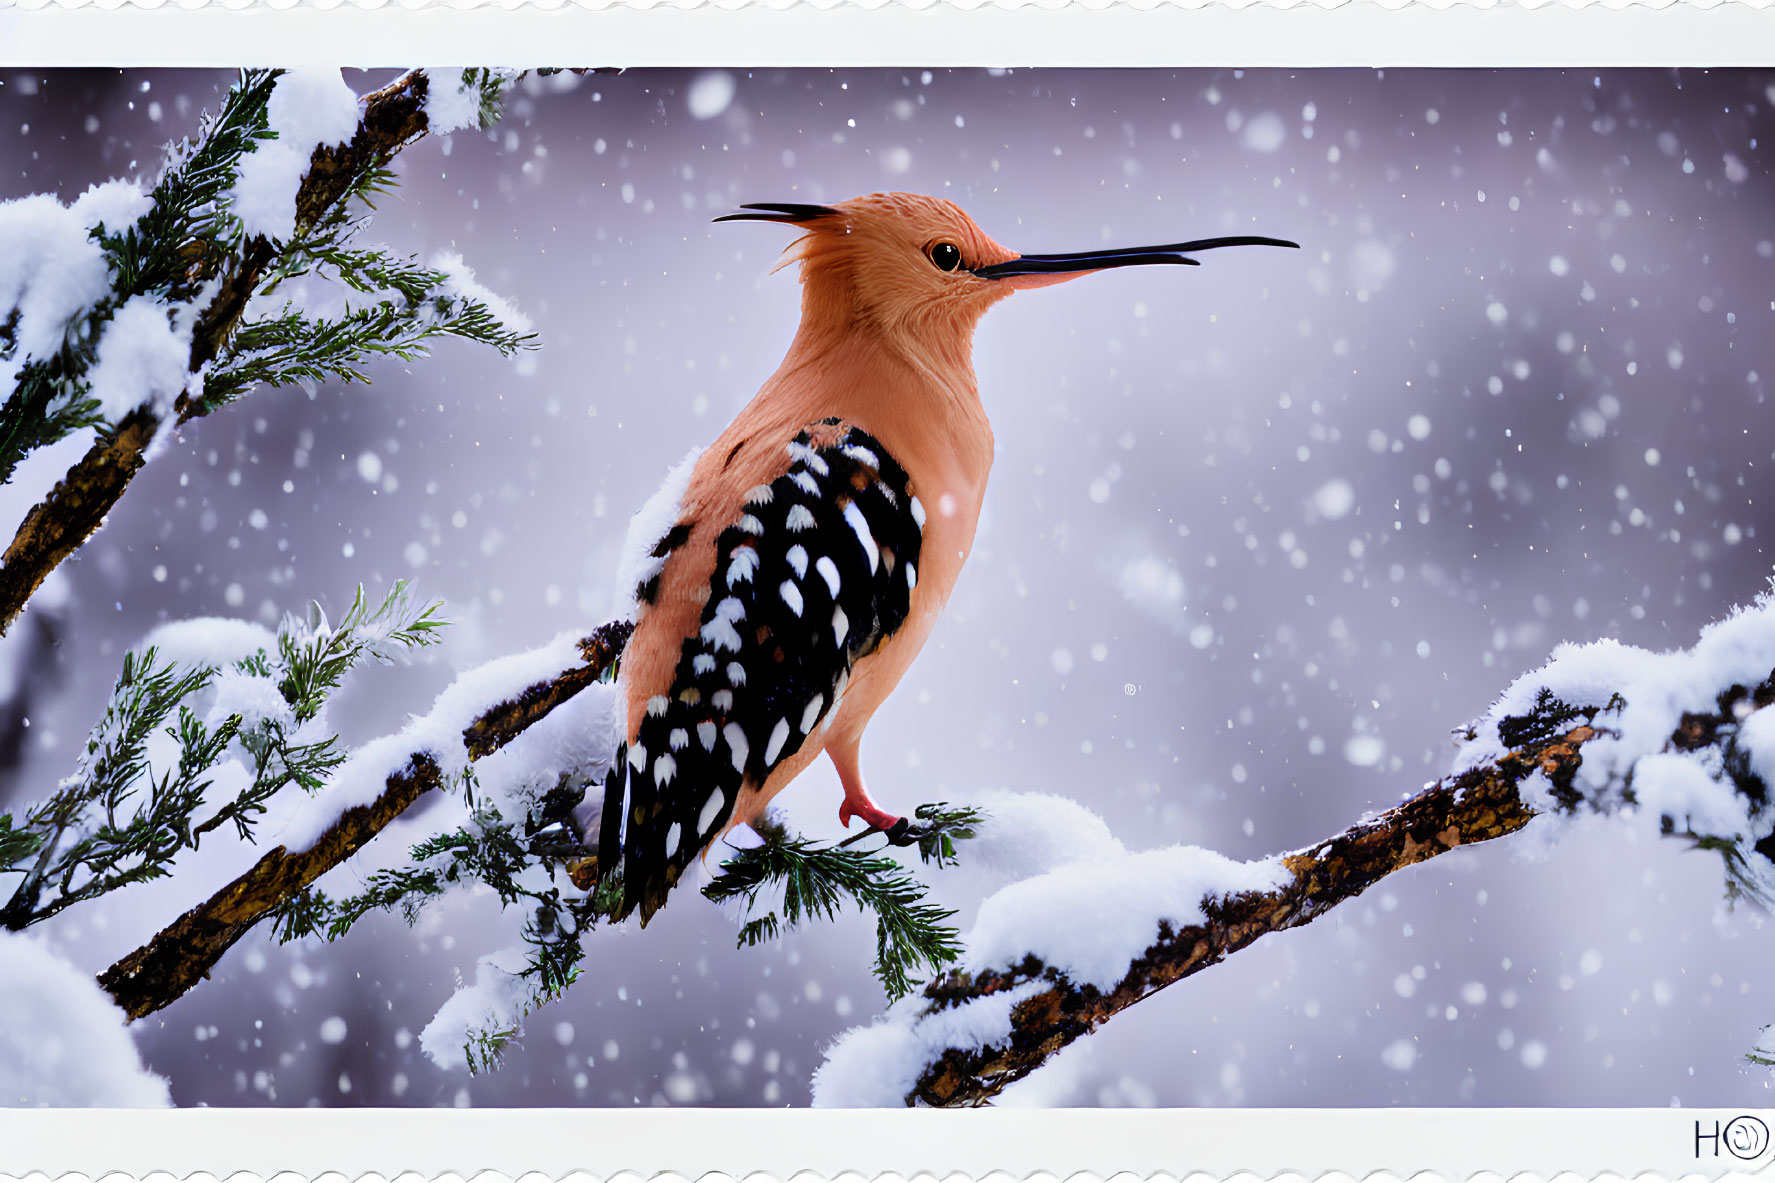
1259 535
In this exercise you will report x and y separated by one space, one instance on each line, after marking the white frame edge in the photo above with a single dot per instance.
1358 33
692 1143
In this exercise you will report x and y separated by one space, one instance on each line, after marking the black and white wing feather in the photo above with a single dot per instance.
817 570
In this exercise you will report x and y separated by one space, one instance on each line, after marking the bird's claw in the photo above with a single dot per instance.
900 833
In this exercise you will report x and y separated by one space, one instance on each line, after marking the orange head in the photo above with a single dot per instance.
919 267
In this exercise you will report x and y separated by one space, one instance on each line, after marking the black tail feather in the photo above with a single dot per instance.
770 211
610 824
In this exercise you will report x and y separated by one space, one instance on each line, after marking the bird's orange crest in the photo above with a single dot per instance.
897 263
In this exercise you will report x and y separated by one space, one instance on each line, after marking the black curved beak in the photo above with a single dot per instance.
770 211
1173 253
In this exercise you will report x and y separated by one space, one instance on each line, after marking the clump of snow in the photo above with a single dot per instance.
1685 787
51 270
254 698
209 640
142 357
1694 791
307 108
1029 833
449 104
876 1066
460 282
1088 910
577 738
453 99
64 1042
1537 839
650 523
1756 739
569 738
221 642
1090 920
497 1001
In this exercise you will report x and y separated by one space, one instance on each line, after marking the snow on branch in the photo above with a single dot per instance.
134 311
516 826
523 838
208 722
472 720
1679 740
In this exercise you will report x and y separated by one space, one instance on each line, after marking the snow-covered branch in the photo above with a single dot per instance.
474 718
1680 740
209 721
134 311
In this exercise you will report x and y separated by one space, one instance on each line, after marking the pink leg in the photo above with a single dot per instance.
857 802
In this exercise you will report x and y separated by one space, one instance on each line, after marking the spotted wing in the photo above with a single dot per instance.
818 569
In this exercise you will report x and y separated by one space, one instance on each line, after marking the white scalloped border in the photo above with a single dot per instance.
1337 1145
746 34
749 1145
911 5
1329 1175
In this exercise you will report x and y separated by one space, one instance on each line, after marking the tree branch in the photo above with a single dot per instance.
507 721
393 117
60 524
1484 802
183 953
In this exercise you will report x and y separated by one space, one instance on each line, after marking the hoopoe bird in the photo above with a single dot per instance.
802 559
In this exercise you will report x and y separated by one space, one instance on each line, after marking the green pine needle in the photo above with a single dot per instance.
817 880
940 827
485 1047
315 655
119 819
491 84
16 845
171 251
491 851
113 823
191 234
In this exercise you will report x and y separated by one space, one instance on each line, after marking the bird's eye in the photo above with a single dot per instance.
946 255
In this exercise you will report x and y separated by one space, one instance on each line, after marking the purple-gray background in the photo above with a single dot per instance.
1530 332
